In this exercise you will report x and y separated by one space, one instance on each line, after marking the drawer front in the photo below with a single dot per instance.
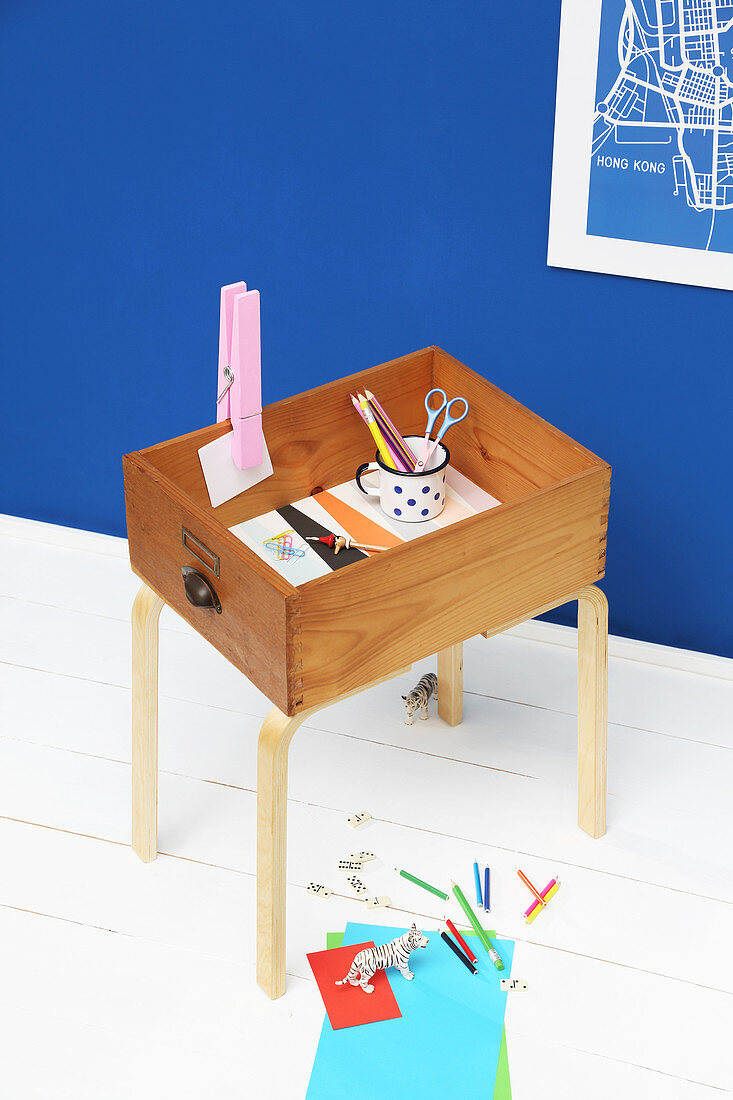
172 547
479 575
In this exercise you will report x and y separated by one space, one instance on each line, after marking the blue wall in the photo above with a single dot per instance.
383 179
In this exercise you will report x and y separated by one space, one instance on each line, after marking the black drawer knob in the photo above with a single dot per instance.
199 591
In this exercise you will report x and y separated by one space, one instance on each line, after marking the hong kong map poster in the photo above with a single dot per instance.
643 159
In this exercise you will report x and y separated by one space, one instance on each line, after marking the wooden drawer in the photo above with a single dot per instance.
303 646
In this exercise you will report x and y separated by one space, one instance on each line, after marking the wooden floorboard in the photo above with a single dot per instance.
124 980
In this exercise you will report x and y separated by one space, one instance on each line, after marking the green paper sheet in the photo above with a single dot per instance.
503 1088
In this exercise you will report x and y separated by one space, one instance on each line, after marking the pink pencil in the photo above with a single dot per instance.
358 407
382 416
389 438
396 456
396 443
541 901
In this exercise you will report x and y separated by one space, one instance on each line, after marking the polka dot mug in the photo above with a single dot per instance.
409 497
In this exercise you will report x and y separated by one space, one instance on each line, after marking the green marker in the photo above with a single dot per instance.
493 953
425 885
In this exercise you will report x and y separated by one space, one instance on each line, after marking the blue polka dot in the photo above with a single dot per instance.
437 496
411 503
442 501
398 488
398 511
426 488
444 479
424 512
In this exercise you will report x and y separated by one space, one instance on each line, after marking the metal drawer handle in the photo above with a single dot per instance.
199 591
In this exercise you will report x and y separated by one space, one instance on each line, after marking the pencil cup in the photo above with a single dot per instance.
410 496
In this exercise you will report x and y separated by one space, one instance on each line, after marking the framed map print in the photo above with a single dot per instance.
642 180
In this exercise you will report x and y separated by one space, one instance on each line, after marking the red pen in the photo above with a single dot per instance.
460 939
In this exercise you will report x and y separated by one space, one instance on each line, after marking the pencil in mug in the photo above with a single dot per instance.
405 463
393 441
388 427
386 448
382 416
377 436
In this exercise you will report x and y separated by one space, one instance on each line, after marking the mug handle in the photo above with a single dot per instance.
366 467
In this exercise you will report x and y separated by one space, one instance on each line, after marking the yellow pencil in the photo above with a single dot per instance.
374 429
536 911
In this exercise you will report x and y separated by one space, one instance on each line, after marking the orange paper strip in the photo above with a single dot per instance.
361 528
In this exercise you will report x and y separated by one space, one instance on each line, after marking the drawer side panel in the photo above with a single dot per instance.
251 630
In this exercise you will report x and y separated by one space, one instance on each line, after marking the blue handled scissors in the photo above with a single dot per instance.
448 422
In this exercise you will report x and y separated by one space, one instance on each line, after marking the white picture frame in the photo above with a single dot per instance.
570 245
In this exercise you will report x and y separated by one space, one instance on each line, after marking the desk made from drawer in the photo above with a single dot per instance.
309 646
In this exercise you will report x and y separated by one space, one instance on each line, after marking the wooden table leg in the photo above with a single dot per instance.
272 832
450 684
592 709
145 615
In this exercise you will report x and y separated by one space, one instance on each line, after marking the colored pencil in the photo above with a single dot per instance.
529 885
371 423
395 441
461 940
357 406
404 463
477 877
378 410
487 907
458 953
535 908
473 921
425 885
398 463
376 431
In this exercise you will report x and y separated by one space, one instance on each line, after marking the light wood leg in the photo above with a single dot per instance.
450 684
272 832
592 709
145 615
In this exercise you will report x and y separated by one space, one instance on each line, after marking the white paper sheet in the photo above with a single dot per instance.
223 479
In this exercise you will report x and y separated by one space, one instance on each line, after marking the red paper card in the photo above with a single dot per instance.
348 1005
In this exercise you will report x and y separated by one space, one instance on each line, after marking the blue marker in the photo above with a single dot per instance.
487 907
477 876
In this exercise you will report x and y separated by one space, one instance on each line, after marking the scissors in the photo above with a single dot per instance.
448 422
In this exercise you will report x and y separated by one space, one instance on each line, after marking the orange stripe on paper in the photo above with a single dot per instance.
360 527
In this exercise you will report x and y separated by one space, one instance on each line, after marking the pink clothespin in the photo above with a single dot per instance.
239 395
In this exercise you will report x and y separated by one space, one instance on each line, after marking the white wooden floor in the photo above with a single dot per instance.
124 980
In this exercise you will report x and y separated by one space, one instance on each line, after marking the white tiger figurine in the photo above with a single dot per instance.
397 953
419 697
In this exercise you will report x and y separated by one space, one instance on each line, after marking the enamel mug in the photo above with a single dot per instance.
411 497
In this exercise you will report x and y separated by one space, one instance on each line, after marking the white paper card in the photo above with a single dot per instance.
223 479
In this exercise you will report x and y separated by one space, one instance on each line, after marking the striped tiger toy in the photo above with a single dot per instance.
397 953
419 697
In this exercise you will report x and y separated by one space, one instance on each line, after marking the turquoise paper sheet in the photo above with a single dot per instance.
447 1041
